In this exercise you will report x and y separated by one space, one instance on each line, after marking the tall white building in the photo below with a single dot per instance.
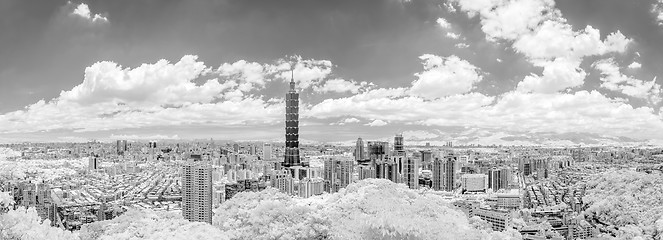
267 151
197 190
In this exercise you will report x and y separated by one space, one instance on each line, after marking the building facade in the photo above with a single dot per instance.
197 190
291 127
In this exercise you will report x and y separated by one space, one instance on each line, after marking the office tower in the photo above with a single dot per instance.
197 190
474 182
309 187
391 168
438 174
252 149
411 173
282 180
377 151
398 143
337 173
444 173
360 153
121 146
236 148
364 172
498 178
450 173
267 151
426 159
291 126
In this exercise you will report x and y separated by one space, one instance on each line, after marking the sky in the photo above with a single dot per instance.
435 70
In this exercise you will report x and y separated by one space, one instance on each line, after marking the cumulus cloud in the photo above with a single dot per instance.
82 10
376 123
657 10
462 45
614 80
346 121
559 74
444 76
158 94
634 65
537 29
443 23
306 72
339 86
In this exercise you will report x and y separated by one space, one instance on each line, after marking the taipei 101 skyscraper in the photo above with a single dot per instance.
291 126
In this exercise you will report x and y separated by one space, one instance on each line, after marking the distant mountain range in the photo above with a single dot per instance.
487 137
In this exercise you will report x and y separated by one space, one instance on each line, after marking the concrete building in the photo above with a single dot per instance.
197 190
444 173
411 173
282 180
365 172
474 182
497 218
360 152
499 178
267 151
310 187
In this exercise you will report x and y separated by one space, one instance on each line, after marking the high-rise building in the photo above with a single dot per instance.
121 146
377 151
337 173
291 127
450 173
360 153
426 159
398 143
365 171
267 151
309 187
498 178
282 180
444 176
411 173
197 190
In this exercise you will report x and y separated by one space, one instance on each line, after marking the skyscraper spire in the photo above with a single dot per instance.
292 80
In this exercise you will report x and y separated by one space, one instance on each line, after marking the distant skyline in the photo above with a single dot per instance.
466 70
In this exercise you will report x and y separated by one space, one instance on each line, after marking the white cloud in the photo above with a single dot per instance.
346 121
340 86
444 76
559 74
634 65
498 60
158 94
462 45
419 135
376 123
614 80
443 23
657 10
453 35
307 72
537 30
82 10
